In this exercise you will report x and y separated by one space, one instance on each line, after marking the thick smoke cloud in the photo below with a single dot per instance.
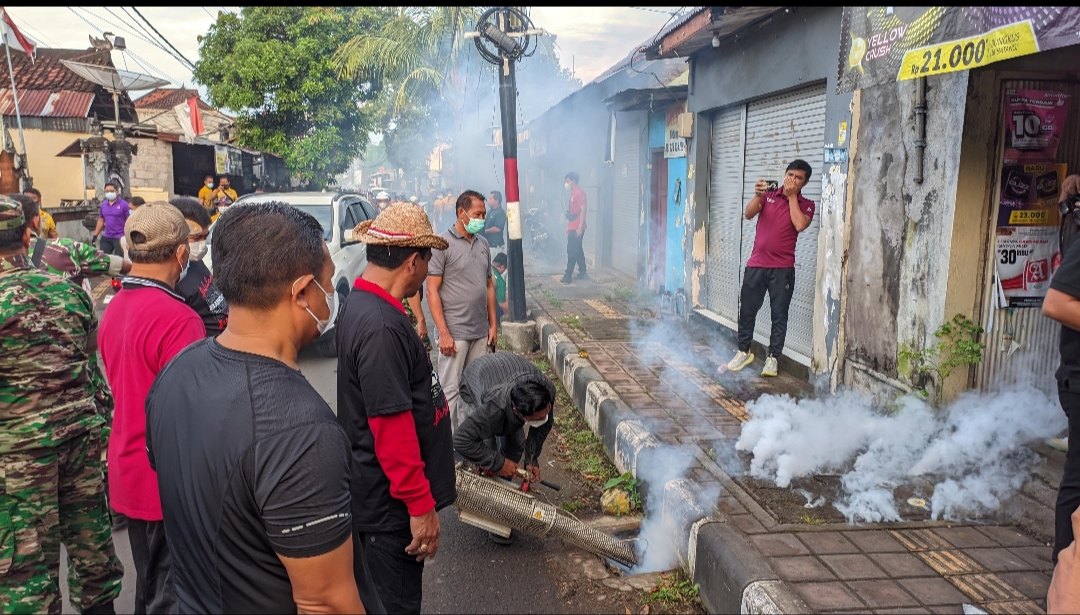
972 451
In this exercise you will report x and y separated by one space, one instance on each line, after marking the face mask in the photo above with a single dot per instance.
198 250
186 265
210 185
474 225
331 304
110 196
538 424
567 185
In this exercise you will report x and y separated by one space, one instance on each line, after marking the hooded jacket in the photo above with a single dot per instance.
485 388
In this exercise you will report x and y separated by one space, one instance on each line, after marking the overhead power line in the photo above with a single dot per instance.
145 64
173 47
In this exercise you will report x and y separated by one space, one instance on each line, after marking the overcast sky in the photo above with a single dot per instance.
589 39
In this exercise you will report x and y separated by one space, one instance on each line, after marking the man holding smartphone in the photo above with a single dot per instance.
782 214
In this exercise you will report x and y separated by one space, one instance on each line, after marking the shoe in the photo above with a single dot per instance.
770 367
741 360
583 276
1061 444
499 540
566 279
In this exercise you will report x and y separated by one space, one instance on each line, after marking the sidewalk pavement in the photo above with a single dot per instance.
643 383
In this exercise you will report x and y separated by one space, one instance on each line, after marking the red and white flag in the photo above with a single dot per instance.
15 39
196 117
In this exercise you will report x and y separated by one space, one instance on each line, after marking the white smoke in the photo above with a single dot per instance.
972 451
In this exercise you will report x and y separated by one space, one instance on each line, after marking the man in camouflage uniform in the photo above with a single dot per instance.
51 487
77 261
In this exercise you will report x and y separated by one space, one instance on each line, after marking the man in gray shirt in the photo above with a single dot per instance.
461 296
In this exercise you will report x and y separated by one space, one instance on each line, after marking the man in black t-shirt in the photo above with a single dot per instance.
394 413
1062 303
252 466
197 284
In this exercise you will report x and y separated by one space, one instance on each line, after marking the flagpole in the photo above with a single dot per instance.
14 93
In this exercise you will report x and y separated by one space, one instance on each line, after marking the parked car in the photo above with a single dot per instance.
337 212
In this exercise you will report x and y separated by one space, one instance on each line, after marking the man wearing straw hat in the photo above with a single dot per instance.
395 414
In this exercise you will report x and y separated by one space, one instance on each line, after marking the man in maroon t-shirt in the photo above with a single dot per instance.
782 214
575 229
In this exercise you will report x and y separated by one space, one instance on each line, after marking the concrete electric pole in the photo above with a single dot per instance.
504 35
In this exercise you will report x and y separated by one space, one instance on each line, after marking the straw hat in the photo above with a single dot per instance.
401 224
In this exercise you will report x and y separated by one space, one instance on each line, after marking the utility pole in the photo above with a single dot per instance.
511 35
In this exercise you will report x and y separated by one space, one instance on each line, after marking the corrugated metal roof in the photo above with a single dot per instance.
44 103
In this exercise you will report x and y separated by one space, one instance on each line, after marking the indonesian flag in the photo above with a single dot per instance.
15 39
196 118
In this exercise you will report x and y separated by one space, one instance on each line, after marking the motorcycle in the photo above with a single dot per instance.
542 243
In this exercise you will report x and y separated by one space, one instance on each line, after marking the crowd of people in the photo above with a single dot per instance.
181 414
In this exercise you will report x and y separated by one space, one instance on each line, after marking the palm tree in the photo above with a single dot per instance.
415 51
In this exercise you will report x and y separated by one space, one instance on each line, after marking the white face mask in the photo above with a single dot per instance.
110 196
186 264
567 185
331 304
537 424
210 185
198 250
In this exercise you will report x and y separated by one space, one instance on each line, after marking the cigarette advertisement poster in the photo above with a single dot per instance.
1026 258
1029 194
884 44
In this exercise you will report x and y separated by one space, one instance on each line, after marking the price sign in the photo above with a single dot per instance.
1011 41
1030 217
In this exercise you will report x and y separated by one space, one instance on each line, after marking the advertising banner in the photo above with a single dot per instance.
1034 121
674 145
1026 258
1029 194
221 159
883 44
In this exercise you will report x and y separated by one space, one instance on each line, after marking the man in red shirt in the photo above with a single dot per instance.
145 326
782 214
575 230
395 414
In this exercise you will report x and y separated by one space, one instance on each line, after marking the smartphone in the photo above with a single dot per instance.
771 185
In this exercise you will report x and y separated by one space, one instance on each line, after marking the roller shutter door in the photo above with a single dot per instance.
780 129
723 267
626 209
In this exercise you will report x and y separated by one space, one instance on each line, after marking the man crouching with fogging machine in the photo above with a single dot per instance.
503 393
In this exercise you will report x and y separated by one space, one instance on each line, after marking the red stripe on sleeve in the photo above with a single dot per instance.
398 451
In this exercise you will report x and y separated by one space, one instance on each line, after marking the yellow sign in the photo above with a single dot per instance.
1011 41
1033 217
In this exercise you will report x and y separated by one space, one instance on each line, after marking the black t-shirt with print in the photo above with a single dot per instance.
1067 280
199 293
384 369
251 463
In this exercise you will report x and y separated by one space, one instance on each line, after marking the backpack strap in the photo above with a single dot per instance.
39 251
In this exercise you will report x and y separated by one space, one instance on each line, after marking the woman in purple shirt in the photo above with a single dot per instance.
114 213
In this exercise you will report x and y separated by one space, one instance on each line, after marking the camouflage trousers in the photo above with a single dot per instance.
48 497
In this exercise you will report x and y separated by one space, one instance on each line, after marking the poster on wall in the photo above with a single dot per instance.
1034 121
1029 194
884 44
1026 259
221 159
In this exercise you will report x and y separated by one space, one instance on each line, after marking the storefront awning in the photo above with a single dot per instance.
883 44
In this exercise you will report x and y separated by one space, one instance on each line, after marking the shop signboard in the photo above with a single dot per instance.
674 145
883 44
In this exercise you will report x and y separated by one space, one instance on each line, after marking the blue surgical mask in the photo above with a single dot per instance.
110 196
474 225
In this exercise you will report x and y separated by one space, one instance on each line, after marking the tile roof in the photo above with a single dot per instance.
167 98
47 73
43 103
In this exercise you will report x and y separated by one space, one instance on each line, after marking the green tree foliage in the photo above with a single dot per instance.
272 66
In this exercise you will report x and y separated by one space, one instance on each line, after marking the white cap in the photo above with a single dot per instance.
381 196
413 199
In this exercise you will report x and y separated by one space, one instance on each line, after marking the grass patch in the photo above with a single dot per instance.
580 448
550 296
542 365
673 590
573 322
811 520
624 293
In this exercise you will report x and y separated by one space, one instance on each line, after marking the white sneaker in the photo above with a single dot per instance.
741 360
1061 444
770 367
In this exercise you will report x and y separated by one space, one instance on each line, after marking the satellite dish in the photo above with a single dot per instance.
113 79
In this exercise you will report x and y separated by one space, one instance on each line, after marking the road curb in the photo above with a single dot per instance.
733 576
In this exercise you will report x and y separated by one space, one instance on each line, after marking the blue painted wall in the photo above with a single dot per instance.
674 263
656 130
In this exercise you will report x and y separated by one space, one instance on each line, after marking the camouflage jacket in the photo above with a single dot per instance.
45 324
